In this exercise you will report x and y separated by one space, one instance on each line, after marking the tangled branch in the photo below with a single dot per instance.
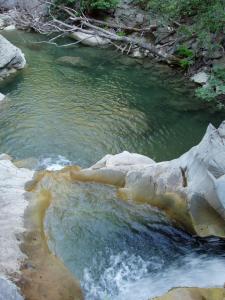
92 28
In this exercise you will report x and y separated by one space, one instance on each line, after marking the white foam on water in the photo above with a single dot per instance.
132 278
8 290
53 163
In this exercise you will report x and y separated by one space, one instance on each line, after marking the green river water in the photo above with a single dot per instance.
61 114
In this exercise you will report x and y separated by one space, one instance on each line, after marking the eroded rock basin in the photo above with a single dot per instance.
122 250
74 113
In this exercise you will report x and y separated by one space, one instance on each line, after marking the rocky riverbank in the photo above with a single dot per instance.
12 207
139 33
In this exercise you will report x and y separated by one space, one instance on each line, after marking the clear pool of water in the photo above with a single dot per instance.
106 104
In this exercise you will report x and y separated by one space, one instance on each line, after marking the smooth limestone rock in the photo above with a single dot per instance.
194 294
2 97
89 39
11 58
12 207
112 169
200 78
10 27
190 189
5 156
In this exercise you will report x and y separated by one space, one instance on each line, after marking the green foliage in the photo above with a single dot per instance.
215 88
183 51
210 10
89 5
186 55
198 17
185 63
121 33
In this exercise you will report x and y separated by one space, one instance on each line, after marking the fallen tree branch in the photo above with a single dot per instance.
73 17
92 28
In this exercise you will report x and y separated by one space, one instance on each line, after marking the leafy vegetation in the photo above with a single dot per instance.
210 14
197 17
121 33
215 88
186 55
202 22
89 5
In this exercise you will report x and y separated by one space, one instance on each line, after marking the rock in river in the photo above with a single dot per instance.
2 97
190 189
72 61
11 58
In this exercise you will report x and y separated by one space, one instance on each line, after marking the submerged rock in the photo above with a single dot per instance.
28 163
190 189
72 61
11 58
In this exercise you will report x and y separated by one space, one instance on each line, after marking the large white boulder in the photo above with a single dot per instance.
190 189
11 57
2 97
12 208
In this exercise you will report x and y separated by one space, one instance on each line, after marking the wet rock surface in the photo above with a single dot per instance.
194 294
189 189
11 58
12 181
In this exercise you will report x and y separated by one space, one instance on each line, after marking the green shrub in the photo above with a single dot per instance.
185 63
186 55
215 88
121 33
183 51
197 17
89 5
